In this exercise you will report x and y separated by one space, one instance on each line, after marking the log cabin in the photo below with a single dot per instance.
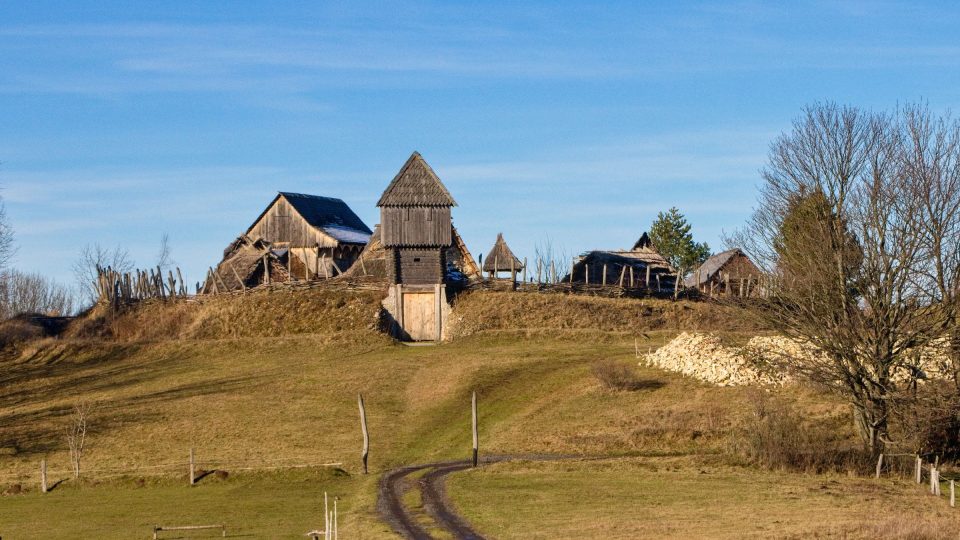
729 272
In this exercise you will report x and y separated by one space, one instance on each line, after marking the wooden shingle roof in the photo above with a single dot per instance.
416 185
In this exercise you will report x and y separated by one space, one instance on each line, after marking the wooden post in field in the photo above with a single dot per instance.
473 407
658 283
953 495
933 475
623 274
193 470
266 270
636 348
879 465
43 475
336 534
366 436
524 278
572 265
326 517
631 277
919 469
586 273
646 283
603 281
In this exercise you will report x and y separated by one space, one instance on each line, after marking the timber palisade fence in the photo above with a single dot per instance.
116 288
923 471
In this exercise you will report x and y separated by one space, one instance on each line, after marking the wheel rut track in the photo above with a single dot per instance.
434 497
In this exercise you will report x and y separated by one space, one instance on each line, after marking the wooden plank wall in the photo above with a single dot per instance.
281 224
416 226
420 266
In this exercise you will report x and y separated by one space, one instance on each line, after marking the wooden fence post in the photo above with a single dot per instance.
879 465
646 283
363 427
473 407
43 475
603 281
933 475
193 470
586 273
919 468
953 496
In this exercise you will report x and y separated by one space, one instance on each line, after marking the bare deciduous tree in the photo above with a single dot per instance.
76 433
164 258
92 257
855 227
32 293
7 247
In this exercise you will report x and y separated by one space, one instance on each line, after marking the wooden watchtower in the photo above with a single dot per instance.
416 231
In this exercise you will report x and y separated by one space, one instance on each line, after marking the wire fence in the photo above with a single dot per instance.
929 472
194 469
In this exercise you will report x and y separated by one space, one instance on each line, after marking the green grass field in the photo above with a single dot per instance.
258 401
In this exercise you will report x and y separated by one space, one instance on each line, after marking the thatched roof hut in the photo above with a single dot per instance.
641 266
501 258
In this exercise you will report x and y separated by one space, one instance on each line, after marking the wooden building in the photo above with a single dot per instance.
730 272
641 266
416 231
297 236
501 259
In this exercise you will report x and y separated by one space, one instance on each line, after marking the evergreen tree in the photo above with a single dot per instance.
670 235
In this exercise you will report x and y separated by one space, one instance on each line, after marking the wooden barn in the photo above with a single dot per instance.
501 259
296 237
416 231
730 272
641 266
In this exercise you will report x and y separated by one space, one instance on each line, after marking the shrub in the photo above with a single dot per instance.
775 435
618 376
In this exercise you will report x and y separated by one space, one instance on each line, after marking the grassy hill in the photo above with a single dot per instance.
258 383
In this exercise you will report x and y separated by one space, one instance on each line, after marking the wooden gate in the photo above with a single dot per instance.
420 315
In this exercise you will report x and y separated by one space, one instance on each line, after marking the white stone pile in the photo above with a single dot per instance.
706 358
762 361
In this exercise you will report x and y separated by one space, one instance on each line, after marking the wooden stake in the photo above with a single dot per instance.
603 280
473 407
879 465
919 469
326 517
193 472
366 436
953 496
43 476
647 282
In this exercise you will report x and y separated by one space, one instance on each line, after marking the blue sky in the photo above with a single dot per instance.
571 121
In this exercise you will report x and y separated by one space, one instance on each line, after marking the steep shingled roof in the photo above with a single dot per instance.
416 185
501 256
328 214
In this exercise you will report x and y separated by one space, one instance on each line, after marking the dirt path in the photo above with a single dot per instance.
434 497
435 503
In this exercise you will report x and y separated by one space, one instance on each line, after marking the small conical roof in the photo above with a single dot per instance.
501 256
416 185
